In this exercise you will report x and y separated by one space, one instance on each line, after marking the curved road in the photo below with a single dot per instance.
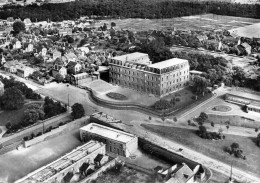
80 95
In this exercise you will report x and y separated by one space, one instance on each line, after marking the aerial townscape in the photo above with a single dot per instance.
118 91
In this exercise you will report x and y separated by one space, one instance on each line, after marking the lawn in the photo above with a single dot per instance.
126 175
214 149
222 108
14 116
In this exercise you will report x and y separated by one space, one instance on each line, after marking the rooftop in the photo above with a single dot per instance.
168 63
133 56
104 117
43 174
245 95
107 132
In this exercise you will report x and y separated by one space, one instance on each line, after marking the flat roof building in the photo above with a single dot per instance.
117 142
135 71
251 101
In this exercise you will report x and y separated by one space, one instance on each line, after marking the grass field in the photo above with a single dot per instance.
214 149
198 22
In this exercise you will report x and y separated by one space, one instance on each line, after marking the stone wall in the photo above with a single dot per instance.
97 173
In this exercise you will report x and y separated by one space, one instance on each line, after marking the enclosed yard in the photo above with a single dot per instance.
125 175
214 149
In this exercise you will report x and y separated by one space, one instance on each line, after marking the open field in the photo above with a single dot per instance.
213 149
198 22
251 31
16 164
14 116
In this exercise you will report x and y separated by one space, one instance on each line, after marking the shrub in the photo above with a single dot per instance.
177 99
116 96
162 104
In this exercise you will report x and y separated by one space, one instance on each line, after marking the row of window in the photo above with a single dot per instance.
253 109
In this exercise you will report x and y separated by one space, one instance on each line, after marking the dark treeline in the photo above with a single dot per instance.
127 9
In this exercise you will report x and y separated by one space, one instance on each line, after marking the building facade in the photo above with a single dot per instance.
135 71
117 142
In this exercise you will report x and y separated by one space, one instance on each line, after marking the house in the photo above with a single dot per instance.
78 79
56 54
202 38
179 173
2 88
61 70
24 71
71 57
73 67
247 48
11 66
17 45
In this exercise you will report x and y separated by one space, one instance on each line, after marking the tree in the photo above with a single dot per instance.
202 118
227 127
212 124
113 24
59 78
200 85
70 40
18 26
8 126
234 146
32 114
78 111
12 99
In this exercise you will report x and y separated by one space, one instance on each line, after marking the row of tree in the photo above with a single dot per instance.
128 9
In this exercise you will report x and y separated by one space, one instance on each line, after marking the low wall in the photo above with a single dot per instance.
136 167
97 173
234 120
58 131
5 142
10 147
137 107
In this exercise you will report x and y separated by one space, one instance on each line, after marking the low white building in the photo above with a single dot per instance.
117 142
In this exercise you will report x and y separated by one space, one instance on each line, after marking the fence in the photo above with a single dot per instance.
234 120
139 168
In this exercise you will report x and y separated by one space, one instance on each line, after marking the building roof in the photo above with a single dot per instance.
11 63
24 68
80 74
130 57
246 45
245 95
168 63
196 72
254 104
45 173
181 174
109 133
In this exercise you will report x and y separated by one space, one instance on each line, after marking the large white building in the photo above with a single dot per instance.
135 71
117 142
